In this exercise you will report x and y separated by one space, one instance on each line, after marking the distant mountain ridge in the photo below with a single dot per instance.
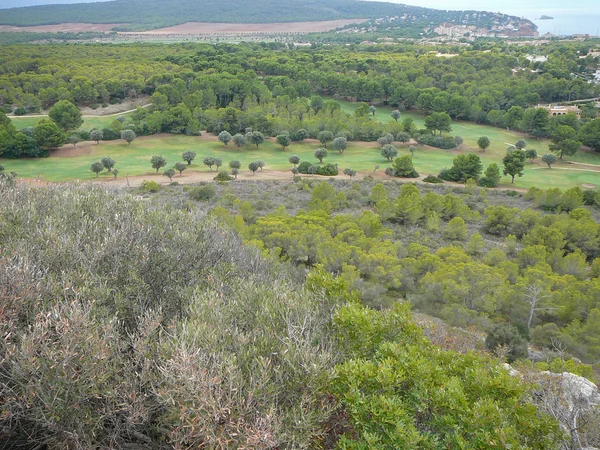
135 15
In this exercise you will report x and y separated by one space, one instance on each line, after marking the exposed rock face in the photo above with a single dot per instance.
577 391
572 400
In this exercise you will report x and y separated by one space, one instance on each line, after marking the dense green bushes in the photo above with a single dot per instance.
126 323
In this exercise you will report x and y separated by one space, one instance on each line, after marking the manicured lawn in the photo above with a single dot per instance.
69 164
88 122
74 164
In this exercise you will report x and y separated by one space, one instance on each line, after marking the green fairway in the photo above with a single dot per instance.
89 122
69 164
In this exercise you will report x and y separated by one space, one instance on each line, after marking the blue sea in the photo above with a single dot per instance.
577 17
567 22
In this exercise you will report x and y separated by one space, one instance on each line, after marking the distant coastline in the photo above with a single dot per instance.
544 17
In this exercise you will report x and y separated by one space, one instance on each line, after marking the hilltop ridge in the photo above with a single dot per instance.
137 15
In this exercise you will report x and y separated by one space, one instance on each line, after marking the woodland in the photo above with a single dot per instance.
274 90
306 313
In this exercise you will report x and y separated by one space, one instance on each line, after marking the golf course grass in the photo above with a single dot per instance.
89 122
69 164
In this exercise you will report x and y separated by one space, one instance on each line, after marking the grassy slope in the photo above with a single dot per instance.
134 160
88 123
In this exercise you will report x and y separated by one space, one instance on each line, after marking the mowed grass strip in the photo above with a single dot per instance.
89 122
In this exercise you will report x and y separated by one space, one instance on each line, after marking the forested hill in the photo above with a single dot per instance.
149 14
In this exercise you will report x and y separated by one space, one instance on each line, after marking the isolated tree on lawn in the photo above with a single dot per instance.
568 147
128 135
396 114
97 167
521 144
386 139
483 143
389 152
549 159
66 115
225 137
294 159
514 164
439 121
491 176
257 138
108 163
47 135
188 156
324 137
218 162
253 166
158 162
284 140
74 139
372 110
339 144
209 161
235 164
180 167
261 164
96 135
115 173
320 154
403 137
239 140
169 173
531 154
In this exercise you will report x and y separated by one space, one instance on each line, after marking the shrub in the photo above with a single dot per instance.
444 142
327 170
150 186
304 166
432 179
108 134
202 193
223 175
506 335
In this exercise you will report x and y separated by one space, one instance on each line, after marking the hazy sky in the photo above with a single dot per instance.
15 3
518 7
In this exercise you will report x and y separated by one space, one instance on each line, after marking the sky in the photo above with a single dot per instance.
16 3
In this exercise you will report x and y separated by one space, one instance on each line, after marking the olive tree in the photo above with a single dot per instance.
128 135
225 137
320 154
96 135
188 156
158 162
339 144
108 163
180 167
97 167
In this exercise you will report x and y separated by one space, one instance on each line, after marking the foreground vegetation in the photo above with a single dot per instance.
125 323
